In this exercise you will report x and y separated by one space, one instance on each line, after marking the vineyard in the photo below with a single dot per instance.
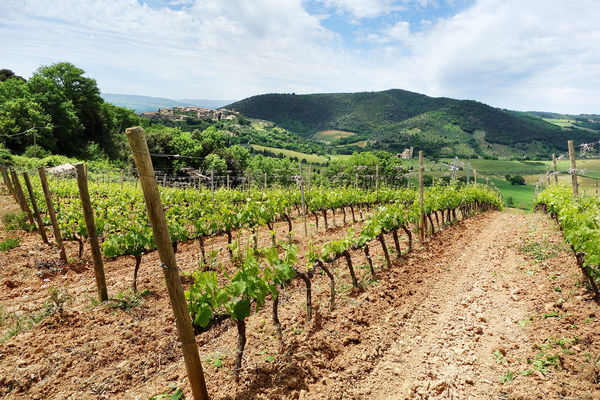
329 262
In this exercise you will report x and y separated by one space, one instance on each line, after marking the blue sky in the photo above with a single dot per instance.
524 55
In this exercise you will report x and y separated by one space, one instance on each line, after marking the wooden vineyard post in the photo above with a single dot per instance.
303 202
548 175
7 181
422 217
468 173
596 188
143 163
376 182
454 167
356 182
20 196
90 224
537 185
212 184
52 214
573 169
475 177
36 211
227 181
248 182
555 174
265 181
309 179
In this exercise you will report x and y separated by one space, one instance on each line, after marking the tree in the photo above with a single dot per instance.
72 100
6 74
215 163
517 180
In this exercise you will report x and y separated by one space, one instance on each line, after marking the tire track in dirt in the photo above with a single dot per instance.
444 348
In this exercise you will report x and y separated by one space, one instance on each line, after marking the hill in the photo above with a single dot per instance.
146 103
395 119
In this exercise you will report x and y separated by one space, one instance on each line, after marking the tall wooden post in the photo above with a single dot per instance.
227 180
555 173
303 201
309 179
143 163
596 188
265 181
5 178
356 182
36 211
468 173
422 217
573 169
248 180
90 224
212 184
377 182
20 196
7 181
487 181
52 214
475 177
454 167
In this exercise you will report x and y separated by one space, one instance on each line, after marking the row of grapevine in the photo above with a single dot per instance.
578 221
262 272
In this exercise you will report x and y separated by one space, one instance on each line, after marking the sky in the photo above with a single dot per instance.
515 54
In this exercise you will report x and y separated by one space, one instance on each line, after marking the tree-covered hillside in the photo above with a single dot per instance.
394 119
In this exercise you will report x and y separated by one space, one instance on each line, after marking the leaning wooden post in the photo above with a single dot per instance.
7 181
422 217
143 163
20 196
90 224
303 202
573 169
36 211
51 213
555 174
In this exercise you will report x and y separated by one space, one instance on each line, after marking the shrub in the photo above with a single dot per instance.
517 180
10 243
36 151
510 201
14 220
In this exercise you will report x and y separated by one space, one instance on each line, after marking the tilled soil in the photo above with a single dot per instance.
492 307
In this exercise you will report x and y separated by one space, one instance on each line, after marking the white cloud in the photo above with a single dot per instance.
525 55
514 54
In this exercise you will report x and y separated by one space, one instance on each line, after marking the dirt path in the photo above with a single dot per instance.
445 344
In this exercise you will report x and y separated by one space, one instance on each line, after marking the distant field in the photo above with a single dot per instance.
311 158
332 135
563 123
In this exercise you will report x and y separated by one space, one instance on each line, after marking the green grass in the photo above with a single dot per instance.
10 243
310 158
522 195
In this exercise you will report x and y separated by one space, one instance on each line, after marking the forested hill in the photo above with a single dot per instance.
394 119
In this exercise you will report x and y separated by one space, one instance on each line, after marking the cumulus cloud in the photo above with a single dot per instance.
508 53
